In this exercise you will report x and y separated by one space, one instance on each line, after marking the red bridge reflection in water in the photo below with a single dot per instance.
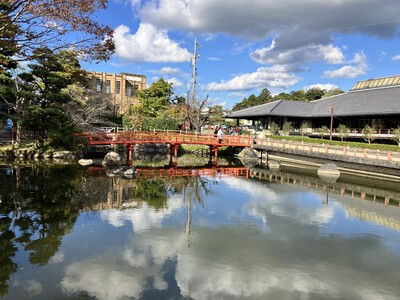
171 171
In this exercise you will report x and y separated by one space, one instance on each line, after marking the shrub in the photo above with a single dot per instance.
274 128
368 133
323 130
396 135
343 131
286 128
303 128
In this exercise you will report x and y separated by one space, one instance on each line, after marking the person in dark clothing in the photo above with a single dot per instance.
216 131
9 125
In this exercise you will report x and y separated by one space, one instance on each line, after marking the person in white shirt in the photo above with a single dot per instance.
219 135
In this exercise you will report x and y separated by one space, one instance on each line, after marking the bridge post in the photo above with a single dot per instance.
173 152
215 150
129 153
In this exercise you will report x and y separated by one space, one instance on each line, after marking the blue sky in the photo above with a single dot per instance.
246 46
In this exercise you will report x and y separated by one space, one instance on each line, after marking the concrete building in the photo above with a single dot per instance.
121 87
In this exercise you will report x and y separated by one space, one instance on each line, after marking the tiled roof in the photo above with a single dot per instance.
276 108
379 101
359 102
256 111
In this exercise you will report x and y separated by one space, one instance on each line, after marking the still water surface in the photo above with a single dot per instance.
274 235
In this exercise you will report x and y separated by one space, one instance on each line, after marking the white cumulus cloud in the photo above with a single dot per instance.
270 77
148 44
396 58
322 86
358 68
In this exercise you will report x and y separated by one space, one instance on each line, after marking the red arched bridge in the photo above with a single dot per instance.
174 139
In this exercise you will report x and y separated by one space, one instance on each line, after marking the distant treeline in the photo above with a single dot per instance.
265 96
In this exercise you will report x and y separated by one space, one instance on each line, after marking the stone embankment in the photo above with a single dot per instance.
24 154
376 158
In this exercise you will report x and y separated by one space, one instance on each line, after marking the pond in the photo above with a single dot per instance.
205 232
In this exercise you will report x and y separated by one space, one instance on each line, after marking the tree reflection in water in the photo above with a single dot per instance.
38 208
144 223
41 203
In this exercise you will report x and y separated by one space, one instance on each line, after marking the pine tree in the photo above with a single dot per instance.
46 88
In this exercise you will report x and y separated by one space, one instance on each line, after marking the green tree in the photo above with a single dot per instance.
343 131
155 99
45 87
265 96
333 92
298 95
239 105
314 94
368 133
253 100
216 115
283 96
157 108
8 49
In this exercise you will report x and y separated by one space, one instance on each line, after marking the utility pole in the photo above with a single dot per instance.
331 127
194 66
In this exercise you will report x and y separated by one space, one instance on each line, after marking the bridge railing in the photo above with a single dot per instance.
171 137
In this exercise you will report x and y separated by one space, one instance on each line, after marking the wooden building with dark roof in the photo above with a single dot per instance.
374 102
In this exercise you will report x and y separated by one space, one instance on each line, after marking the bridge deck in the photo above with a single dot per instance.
172 138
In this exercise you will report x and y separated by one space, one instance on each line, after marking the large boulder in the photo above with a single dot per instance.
248 153
111 159
63 155
85 162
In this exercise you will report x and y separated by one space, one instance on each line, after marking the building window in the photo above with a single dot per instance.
128 89
118 87
108 86
98 85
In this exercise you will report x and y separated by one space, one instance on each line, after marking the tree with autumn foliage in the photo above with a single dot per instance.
44 23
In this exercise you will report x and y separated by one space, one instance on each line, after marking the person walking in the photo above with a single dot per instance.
219 135
9 125
216 131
